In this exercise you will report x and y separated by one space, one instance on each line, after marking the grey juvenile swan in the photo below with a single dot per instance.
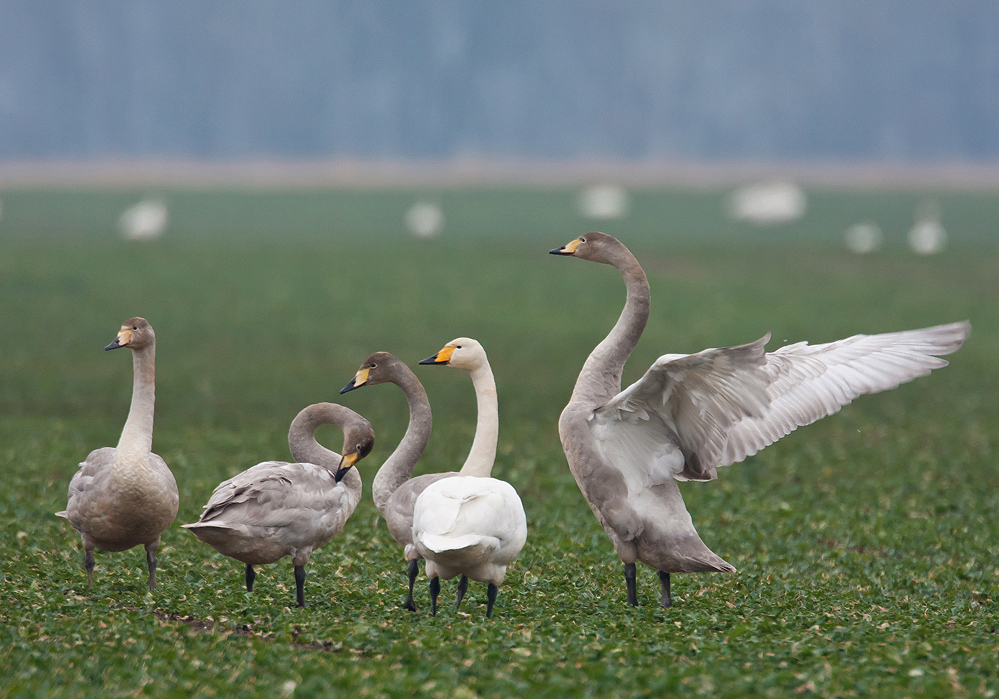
693 413
394 489
125 496
470 525
277 509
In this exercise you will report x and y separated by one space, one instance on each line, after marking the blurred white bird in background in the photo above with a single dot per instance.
862 238
425 219
766 204
927 236
145 220
604 202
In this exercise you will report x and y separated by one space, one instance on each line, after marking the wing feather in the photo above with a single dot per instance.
266 492
721 405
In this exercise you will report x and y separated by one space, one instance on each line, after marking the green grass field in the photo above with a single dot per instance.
867 544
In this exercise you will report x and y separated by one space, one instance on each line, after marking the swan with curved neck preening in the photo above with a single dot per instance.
470 525
691 414
277 509
394 489
126 496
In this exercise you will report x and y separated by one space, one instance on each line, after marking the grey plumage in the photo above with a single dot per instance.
394 488
691 414
126 496
277 509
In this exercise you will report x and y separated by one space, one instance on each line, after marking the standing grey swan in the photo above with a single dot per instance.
470 525
125 496
277 509
693 413
394 489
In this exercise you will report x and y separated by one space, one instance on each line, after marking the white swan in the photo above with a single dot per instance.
394 489
693 413
277 509
125 496
470 525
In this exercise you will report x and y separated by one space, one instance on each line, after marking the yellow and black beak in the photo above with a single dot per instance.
441 358
124 337
347 462
360 378
567 249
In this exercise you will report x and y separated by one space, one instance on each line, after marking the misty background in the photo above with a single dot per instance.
833 80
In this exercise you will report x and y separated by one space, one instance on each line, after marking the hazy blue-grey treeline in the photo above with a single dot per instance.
655 79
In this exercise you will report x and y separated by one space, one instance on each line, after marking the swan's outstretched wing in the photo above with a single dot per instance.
721 405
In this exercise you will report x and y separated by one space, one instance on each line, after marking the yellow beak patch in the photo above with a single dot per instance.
570 247
124 336
445 354
361 377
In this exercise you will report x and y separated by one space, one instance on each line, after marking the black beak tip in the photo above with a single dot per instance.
113 345
556 251
349 387
429 360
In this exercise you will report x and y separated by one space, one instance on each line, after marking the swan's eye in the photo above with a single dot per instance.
458 347
135 327
582 240
373 366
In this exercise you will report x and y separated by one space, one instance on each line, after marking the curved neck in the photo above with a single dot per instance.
137 436
600 378
483 453
302 439
398 468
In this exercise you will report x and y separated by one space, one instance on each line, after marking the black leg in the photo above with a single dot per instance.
414 570
151 564
435 589
250 577
629 577
491 596
300 584
665 600
88 563
462 588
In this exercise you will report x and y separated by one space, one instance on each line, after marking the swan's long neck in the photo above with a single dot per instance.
483 453
137 436
398 468
600 378
305 449
302 439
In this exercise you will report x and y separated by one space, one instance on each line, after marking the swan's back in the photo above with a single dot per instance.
470 525
275 508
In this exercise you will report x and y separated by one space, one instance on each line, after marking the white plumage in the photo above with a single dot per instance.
469 526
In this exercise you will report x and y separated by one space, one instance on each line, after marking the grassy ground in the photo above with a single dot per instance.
866 544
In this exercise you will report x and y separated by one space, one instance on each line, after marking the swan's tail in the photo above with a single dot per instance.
462 551
210 532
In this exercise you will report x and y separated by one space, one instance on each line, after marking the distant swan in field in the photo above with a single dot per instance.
693 413
125 496
277 509
471 525
394 489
